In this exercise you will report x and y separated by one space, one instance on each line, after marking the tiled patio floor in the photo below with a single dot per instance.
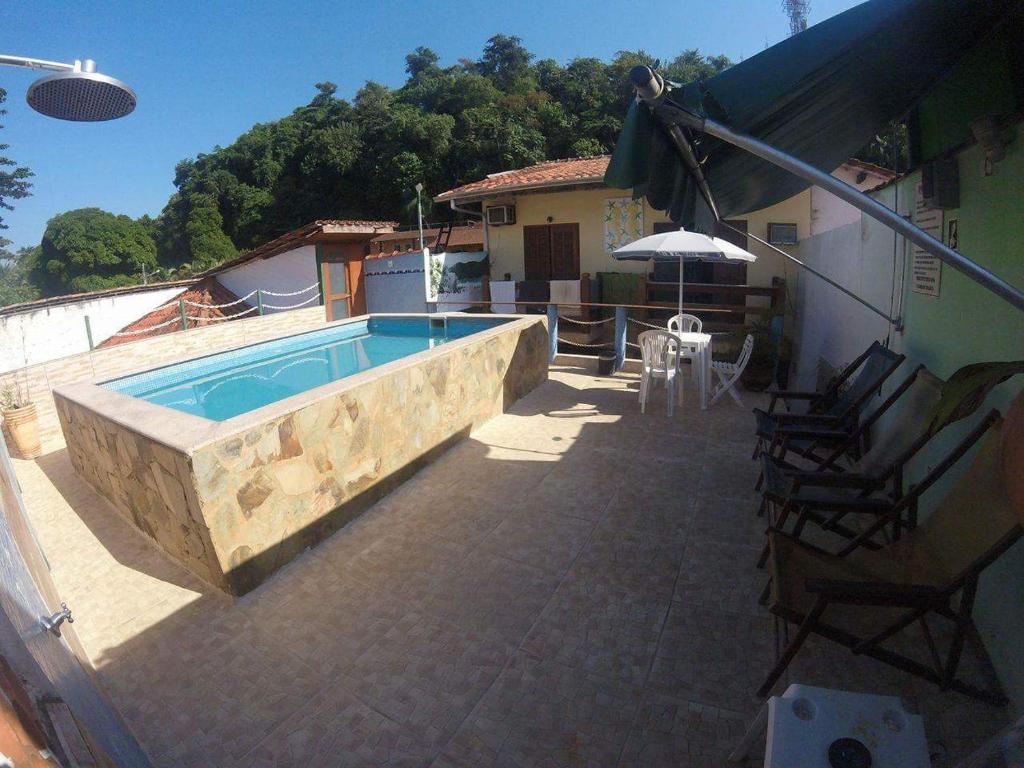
572 585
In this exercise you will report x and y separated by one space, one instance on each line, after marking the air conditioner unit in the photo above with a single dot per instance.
497 215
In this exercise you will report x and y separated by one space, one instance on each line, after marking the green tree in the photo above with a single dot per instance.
507 62
446 125
693 65
14 179
15 285
89 249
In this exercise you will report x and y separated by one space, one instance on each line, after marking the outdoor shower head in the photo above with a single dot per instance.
82 94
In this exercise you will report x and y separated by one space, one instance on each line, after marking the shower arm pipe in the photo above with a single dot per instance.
54 66
650 89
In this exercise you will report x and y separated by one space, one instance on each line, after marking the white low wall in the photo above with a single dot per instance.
283 273
396 284
58 330
38 381
831 327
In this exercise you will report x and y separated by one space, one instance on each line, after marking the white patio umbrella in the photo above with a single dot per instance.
681 246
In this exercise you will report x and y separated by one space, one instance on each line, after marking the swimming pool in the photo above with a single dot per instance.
349 411
228 384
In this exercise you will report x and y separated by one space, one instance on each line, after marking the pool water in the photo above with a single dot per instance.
227 384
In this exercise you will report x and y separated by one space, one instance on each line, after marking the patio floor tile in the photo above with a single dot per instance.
713 657
573 584
547 542
671 733
426 674
336 729
545 714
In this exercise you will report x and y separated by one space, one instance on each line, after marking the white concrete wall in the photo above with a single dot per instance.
283 273
396 284
831 326
49 333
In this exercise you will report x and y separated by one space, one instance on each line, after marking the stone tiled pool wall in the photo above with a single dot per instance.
236 500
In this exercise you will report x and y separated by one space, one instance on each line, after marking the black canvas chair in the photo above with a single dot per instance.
831 416
826 501
880 470
862 598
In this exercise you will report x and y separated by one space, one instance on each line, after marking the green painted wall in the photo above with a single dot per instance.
987 82
968 324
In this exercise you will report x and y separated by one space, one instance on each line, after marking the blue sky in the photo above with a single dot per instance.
206 71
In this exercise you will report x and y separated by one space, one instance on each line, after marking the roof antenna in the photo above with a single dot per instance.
797 11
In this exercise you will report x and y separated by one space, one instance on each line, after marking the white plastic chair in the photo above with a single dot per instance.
660 353
729 373
684 323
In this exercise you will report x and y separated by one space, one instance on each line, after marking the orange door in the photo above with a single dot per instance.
343 282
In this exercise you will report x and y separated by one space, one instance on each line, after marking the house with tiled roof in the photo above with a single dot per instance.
204 301
558 220
321 261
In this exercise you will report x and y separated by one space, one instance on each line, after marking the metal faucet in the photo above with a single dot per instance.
52 623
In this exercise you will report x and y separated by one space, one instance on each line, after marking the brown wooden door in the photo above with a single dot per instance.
565 251
551 252
355 281
734 273
337 285
537 252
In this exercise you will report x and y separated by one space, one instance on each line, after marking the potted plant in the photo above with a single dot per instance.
21 422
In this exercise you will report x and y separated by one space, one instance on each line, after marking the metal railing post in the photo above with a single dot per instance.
181 311
620 337
88 333
553 330
259 302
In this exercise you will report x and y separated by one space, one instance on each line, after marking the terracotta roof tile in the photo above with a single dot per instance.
206 291
552 173
297 237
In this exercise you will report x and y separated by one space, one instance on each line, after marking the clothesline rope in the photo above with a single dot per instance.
219 319
220 306
292 293
292 306
586 322
147 329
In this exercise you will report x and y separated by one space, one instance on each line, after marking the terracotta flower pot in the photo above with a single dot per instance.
22 428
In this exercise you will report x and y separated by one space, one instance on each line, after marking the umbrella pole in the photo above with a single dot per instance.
680 285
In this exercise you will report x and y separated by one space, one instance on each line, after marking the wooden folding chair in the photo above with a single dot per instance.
861 598
825 499
831 416
881 467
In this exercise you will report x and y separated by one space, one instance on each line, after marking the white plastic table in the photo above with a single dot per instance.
803 722
701 342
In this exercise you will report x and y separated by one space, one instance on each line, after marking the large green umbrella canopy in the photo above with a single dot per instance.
821 96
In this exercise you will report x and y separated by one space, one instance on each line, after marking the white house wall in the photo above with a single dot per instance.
286 272
395 284
52 332
832 328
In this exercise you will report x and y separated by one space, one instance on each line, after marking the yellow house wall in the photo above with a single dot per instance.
586 208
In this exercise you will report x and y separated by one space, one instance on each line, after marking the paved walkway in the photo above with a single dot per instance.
573 585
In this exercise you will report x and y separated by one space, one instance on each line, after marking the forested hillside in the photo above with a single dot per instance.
332 158
443 127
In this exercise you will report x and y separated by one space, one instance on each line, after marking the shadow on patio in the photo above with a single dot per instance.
575 584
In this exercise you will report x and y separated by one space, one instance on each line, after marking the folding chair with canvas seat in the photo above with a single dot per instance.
729 373
862 598
832 415
660 351
825 499
880 467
